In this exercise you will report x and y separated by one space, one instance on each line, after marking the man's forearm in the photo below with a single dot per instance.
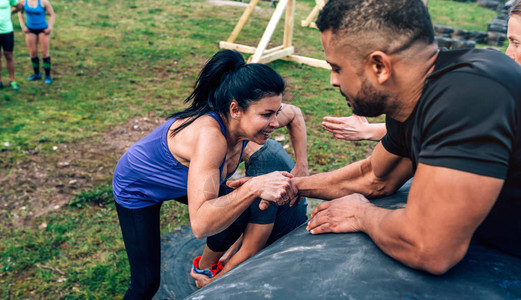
354 178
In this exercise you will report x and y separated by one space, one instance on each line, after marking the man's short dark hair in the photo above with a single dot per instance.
390 25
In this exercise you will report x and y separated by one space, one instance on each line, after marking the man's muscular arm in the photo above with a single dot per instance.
380 174
433 232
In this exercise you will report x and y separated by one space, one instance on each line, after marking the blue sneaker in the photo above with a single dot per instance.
14 85
48 79
35 77
214 269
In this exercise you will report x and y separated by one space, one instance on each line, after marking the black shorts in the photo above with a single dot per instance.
36 31
7 41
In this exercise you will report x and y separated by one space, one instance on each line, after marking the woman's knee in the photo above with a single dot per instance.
8 55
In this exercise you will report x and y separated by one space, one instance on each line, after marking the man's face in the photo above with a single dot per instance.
514 38
363 98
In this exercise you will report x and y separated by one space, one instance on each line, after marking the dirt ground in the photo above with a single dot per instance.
43 182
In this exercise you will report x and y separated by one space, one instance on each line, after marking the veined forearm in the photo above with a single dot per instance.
409 242
354 178
391 232
217 214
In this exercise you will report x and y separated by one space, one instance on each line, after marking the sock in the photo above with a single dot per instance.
36 64
47 65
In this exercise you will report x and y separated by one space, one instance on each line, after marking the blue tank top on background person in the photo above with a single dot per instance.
148 173
35 16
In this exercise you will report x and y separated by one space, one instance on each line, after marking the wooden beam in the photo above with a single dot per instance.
269 31
312 15
277 55
242 21
245 48
238 47
319 4
308 61
288 24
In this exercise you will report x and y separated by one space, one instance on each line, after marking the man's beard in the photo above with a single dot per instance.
368 102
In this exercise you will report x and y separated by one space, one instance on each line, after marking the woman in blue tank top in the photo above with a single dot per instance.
191 155
38 31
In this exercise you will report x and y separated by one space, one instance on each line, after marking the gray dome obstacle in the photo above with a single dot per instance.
333 266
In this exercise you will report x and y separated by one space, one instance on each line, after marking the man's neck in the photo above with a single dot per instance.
411 74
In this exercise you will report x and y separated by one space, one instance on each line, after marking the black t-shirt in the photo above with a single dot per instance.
469 118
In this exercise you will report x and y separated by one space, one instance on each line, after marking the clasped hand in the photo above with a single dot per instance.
273 187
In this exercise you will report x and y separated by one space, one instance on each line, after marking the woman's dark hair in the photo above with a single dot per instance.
225 78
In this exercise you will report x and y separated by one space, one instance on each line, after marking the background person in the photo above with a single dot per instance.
453 122
38 32
514 32
7 39
191 155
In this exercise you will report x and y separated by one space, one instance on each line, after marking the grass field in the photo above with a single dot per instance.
114 61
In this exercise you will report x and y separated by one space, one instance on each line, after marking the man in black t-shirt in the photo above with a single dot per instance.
454 123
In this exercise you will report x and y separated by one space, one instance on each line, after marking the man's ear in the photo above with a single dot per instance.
379 66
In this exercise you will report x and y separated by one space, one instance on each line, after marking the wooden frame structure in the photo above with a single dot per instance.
284 51
308 22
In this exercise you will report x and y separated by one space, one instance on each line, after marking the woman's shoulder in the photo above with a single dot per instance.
204 127
45 3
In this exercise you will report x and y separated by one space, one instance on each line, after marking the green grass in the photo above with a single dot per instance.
468 16
114 60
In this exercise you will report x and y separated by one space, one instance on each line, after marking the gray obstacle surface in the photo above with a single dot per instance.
338 266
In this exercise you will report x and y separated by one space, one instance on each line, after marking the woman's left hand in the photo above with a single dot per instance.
47 31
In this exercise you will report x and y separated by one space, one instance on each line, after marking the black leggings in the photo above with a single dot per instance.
141 234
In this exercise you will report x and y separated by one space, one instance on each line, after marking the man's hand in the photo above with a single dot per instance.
340 215
274 187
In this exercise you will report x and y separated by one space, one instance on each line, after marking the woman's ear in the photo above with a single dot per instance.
235 110
379 65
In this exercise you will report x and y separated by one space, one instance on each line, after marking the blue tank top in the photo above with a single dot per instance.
35 16
148 173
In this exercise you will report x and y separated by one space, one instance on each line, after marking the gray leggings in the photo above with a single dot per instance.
271 157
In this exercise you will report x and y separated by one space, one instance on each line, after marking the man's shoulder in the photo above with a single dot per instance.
491 65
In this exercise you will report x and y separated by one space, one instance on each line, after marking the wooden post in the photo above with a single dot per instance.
319 4
288 25
269 31
242 21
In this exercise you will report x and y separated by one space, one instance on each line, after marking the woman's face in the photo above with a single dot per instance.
514 38
259 120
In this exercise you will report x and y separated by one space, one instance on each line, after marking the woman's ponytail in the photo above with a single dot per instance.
224 78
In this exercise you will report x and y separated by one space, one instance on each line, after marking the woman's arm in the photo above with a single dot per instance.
209 213
21 17
17 7
292 117
50 11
